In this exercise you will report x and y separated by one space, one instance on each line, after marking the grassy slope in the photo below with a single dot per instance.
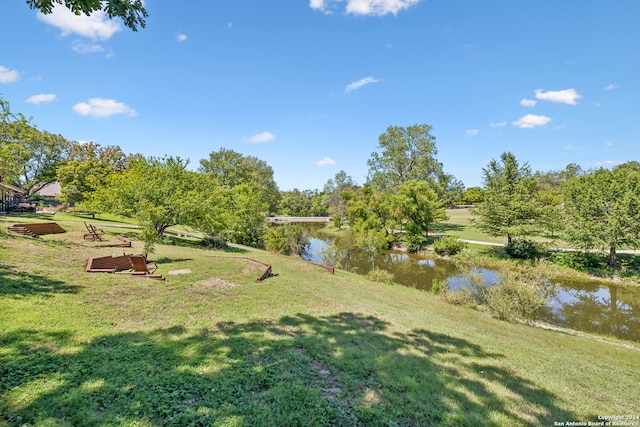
301 348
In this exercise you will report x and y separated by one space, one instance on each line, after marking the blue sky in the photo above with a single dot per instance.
308 86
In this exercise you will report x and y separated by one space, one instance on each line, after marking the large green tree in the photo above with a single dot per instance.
232 169
302 203
409 153
371 220
86 169
510 207
247 225
417 203
603 209
132 12
550 196
160 193
405 153
471 196
28 156
13 154
337 193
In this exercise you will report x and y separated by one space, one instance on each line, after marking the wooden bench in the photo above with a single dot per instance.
124 264
121 243
108 264
36 230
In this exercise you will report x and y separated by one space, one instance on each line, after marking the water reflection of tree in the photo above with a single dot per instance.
410 271
617 315
407 269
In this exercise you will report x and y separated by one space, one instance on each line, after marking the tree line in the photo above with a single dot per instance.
406 192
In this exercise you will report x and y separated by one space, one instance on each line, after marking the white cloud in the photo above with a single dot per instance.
471 132
566 96
41 98
609 144
95 26
358 84
364 7
320 5
611 86
84 48
100 108
181 37
528 102
498 124
378 7
327 161
531 120
261 138
609 162
7 75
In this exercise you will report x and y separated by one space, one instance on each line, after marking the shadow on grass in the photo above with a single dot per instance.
166 260
196 244
446 227
345 369
630 264
15 217
18 283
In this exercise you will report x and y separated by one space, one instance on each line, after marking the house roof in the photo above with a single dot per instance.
50 190
12 188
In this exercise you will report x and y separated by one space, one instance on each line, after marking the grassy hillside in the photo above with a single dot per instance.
210 346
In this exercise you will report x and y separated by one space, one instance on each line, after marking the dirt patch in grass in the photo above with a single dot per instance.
183 271
215 283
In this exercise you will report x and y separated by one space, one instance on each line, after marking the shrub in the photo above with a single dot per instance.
438 286
518 295
578 260
448 246
413 237
458 297
514 295
214 242
380 276
524 249
338 221
288 239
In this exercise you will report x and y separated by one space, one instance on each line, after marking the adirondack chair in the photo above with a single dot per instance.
139 265
93 233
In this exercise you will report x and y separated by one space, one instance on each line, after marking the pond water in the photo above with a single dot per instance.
581 305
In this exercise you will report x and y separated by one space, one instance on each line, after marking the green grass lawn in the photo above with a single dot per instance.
213 347
460 223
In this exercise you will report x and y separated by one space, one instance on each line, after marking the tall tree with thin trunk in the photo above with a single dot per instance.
602 210
510 205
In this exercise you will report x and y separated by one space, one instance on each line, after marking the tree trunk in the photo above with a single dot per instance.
613 263
508 239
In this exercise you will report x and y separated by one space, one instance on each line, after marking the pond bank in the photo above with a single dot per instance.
594 305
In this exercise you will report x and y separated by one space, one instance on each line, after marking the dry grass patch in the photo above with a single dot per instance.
215 283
